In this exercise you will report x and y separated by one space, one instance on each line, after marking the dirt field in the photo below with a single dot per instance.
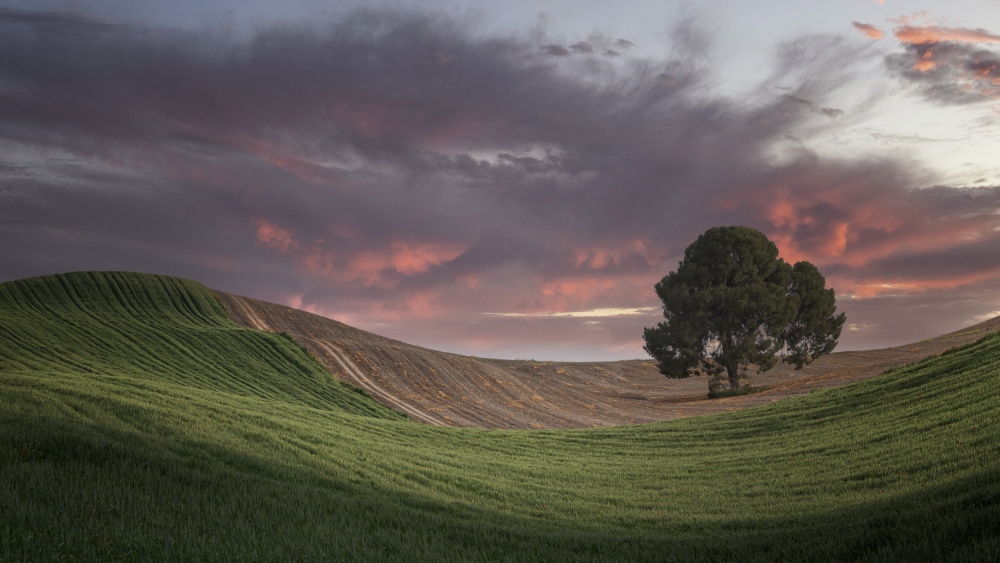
452 390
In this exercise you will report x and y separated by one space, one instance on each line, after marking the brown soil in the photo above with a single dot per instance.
453 390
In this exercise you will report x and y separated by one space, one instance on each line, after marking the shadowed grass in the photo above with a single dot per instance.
137 422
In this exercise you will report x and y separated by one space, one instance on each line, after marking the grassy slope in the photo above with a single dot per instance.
136 421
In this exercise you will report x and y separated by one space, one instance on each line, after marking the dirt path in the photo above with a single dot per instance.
373 388
440 388
251 316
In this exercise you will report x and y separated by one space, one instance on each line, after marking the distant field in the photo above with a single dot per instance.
137 421
452 390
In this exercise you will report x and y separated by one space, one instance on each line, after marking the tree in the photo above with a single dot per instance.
732 304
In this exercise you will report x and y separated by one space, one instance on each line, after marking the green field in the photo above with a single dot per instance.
138 422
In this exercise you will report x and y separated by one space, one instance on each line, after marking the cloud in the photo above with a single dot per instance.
829 112
923 35
275 237
596 43
869 30
383 267
407 173
949 72
948 65
870 232
593 313
909 19
556 50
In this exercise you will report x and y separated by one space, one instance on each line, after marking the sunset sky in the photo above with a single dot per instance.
507 179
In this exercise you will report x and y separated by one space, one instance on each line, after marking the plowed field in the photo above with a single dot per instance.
454 390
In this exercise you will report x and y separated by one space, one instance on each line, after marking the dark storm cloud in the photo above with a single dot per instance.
595 44
829 112
396 167
54 23
556 50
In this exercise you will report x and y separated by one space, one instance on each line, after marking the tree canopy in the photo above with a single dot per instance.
733 303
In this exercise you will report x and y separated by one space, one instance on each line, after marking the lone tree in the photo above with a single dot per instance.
732 304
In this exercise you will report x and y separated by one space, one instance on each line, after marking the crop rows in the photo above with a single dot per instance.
137 328
181 436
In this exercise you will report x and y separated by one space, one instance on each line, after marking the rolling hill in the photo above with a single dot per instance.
139 422
453 390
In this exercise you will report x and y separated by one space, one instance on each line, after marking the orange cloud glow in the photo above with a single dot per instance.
405 307
372 267
424 305
837 242
591 292
600 257
417 258
859 242
567 296
855 224
275 237
873 288
319 262
925 63
869 30
582 288
934 34
908 19
802 230
986 70
472 281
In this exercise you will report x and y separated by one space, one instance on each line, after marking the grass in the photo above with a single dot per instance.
138 422
960 334
719 393
947 336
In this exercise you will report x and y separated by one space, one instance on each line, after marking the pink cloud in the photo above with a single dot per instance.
869 30
601 257
935 34
379 267
950 70
821 226
908 19
424 305
472 281
583 289
273 236
863 226
409 259
925 62
863 288
859 238
587 291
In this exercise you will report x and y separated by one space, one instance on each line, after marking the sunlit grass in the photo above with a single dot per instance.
181 436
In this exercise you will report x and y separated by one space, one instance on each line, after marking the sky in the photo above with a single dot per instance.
508 179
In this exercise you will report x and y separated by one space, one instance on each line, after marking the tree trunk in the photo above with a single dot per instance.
733 370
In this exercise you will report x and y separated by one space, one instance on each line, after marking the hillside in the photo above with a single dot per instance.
453 390
149 331
137 422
